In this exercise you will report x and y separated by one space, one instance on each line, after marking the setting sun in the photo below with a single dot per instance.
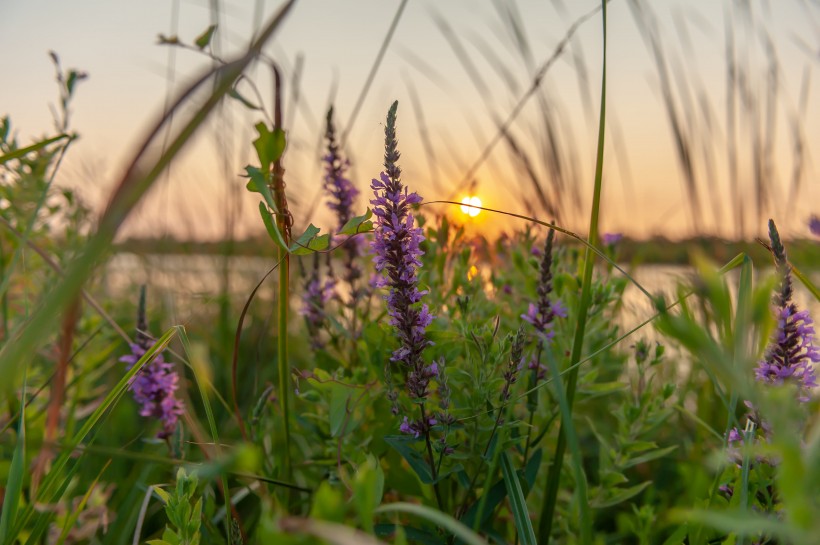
467 204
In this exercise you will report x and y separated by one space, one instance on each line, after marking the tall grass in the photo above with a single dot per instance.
322 439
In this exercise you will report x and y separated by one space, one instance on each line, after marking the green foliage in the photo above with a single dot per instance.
184 519
311 451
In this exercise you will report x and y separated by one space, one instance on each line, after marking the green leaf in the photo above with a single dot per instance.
620 495
310 241
339 397
269 145
358 224
518 503
403 445
649 456
270 226
258 183
163 495
498 492
14 486
368 488
438 519
56 482
204 39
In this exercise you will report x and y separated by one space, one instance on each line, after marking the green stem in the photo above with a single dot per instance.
554 476
431 457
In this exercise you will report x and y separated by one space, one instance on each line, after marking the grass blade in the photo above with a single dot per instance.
14 487
22 152
518 503
50 489
196 367
575 453
439 519
128 192
554 476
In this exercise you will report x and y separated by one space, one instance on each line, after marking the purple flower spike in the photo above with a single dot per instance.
397 257
542 313
791 355
155 385
611 239
340 189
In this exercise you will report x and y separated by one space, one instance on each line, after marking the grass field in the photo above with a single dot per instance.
401 378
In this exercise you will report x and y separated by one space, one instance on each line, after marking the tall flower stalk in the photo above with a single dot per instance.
155 386
541 315
342 195
792 353
397 257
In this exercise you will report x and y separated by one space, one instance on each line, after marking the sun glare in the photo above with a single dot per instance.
467 204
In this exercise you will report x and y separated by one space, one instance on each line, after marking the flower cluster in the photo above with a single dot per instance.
155 385
316 295
342 195
542 313
792 352
397 256
341 190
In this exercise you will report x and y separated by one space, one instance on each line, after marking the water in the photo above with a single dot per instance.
189 285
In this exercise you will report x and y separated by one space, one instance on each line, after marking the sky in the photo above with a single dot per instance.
458 69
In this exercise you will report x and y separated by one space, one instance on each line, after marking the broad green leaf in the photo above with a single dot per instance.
368 488
358 224
403 445
258 183
310 242
204 39
270 226
269 145
620 495
339 398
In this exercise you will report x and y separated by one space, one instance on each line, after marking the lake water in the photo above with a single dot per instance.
190 284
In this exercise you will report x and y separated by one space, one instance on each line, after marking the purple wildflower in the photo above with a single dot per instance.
342 194
316 295
611 239
792 352
814 225
397 253
397 256
338 186
514 365
542 313
155 385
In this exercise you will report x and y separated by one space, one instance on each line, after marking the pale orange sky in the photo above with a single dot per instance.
643 186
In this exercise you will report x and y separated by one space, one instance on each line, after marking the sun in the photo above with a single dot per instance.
467 204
